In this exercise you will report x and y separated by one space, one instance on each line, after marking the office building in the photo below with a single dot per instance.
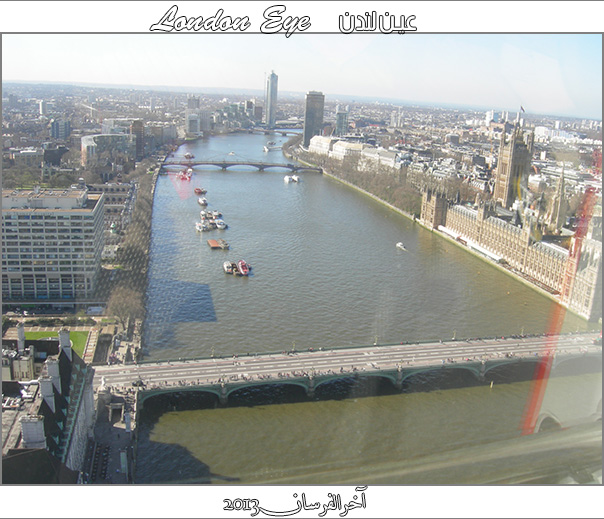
271 100
51 245
60 129
137 129
313 116
341 122
94 145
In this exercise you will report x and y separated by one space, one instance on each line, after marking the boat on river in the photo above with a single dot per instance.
400 245
200 191
230 267
202 227
243 268
202 201
220 224
189 156
291 178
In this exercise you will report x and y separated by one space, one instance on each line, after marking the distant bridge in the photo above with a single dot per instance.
283 131
309 369
225 164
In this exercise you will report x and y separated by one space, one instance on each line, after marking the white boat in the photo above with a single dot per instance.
215 214
265 149
295 178
202 201
231 153
288 178
201 227
229 267
220 224
400 245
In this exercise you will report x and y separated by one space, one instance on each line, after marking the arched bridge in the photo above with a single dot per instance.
225 164
479 358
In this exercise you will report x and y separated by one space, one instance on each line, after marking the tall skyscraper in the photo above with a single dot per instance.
137 129
193 102
313 116
271 100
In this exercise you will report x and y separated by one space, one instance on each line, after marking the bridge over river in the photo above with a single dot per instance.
225 164
309 369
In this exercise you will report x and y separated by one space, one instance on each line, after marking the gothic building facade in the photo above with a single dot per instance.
516 244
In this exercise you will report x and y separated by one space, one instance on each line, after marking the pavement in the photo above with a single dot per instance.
103 464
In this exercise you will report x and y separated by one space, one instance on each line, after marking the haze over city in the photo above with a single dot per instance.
543 73
434 127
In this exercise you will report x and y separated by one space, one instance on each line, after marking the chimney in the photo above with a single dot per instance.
32 432
48 394
65 342
52 367
20 338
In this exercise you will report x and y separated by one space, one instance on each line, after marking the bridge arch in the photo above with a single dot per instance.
144 397
475 370
547 422
277 382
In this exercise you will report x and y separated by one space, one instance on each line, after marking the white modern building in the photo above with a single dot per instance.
51 244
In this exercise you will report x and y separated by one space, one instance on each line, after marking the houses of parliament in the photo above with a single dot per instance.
515 232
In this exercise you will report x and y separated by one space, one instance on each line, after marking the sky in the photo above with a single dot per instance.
556 74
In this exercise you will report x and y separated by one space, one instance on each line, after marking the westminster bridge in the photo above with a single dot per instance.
309 369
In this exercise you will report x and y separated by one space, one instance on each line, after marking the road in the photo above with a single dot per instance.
276 366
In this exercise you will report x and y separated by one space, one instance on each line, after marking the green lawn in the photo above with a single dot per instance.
78 339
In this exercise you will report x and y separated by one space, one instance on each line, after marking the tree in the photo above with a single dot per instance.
125 303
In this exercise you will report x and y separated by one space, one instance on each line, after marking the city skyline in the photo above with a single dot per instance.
544 73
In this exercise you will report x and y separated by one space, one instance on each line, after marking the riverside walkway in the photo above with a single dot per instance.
309 369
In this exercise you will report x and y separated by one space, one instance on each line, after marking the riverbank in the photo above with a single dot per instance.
500 267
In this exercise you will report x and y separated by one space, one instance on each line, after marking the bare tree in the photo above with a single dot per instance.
125 304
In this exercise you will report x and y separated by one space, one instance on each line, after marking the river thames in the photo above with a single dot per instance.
326 274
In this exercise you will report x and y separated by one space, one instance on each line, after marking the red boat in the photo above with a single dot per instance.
199 191
185 175
242 268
